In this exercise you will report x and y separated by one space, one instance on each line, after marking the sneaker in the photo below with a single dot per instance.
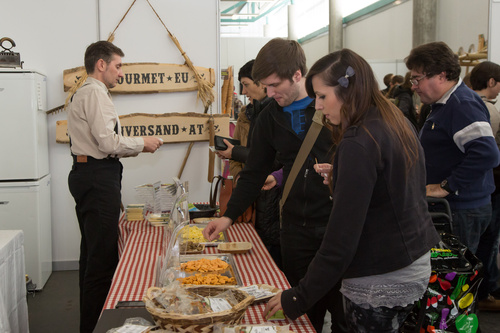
489 304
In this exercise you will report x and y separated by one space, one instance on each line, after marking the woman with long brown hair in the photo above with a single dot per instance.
380 232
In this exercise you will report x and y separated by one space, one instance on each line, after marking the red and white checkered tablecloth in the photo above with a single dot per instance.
140 245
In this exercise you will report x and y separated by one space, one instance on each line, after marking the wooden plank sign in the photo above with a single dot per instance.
141 78
171 127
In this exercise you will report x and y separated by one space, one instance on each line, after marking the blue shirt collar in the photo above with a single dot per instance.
298 105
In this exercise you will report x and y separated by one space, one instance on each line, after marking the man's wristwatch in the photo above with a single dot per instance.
445 186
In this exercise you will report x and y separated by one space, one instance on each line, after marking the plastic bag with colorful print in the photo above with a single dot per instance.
450 302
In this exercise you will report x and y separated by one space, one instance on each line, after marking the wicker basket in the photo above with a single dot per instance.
202 323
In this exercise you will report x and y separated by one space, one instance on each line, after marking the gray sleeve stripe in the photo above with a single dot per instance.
472 132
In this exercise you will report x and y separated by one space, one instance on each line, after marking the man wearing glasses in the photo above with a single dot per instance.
460 150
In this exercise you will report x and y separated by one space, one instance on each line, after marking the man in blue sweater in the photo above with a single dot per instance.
460 149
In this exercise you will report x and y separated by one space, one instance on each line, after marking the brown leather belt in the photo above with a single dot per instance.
81 158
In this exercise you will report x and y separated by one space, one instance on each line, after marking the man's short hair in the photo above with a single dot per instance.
397 79
246 70
434 58
482 73
100 50
281 57
466 80
387 79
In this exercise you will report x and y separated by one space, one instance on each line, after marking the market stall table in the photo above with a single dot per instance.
140 246
13 305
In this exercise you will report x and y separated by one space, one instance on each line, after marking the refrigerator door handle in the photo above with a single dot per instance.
4 202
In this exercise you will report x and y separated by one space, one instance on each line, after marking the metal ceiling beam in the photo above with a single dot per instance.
240 4
278 4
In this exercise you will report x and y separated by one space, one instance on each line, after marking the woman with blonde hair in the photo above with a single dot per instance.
380 232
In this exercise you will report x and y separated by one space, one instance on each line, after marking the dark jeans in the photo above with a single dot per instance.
368 319
298 247
470 225
96 187
488 250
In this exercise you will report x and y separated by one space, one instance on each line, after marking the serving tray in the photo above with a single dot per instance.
234 247
231 271
202 226
204 220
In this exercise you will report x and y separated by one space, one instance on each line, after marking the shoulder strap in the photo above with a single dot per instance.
214 192
304 151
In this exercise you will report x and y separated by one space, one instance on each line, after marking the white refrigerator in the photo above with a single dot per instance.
24 168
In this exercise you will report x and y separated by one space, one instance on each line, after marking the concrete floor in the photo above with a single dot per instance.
56 308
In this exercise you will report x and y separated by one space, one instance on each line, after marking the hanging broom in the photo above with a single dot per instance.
229 97
205 91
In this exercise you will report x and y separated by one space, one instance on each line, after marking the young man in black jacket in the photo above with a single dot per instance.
279 133
266 206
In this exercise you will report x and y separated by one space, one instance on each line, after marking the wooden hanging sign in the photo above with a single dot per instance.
144 78
171 127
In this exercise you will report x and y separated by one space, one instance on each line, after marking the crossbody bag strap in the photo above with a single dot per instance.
214 192
305 149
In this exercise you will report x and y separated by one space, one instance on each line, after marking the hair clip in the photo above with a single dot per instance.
344 80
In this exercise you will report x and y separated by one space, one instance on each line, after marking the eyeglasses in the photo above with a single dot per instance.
415 81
